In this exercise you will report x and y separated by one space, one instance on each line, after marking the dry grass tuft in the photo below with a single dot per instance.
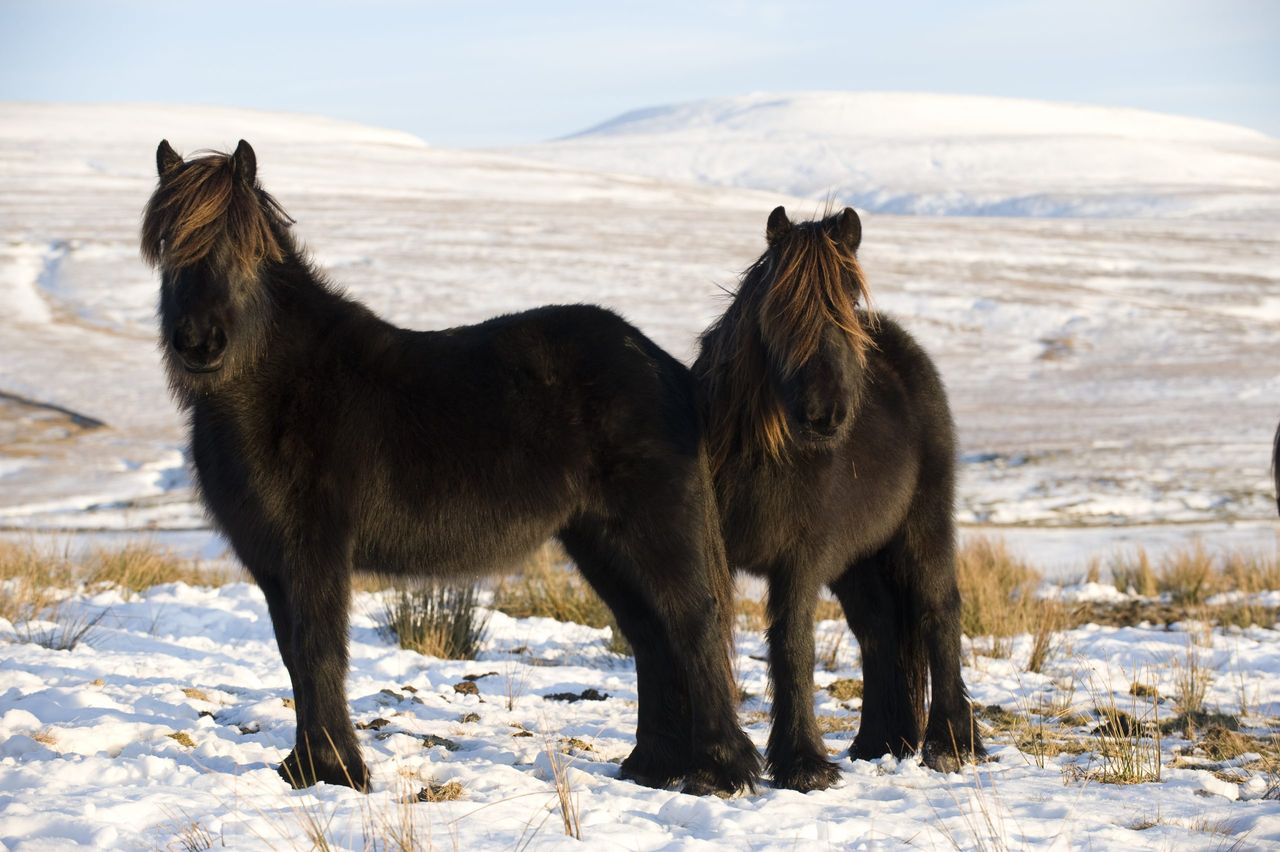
1128 746
1191 680
138 566
182 738
436 620
1191 574
547 587
997 591
567 801
30 576
450 791
845 689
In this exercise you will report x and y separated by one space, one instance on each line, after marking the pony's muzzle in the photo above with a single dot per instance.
823 421
200 350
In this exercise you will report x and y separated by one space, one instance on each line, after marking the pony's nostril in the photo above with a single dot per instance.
184 338
216 342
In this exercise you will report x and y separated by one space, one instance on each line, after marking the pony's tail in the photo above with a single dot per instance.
913 658
1275 466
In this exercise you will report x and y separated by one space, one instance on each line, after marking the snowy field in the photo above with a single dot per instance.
1104 372
175 716
1113 379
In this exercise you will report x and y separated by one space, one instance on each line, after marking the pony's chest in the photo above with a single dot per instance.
771 516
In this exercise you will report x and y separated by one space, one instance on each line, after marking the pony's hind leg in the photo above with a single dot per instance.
318 592
951 735
661 756
659 591
797 756
894 662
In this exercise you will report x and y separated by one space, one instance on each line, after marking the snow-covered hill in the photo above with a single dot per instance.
1089 363
945 154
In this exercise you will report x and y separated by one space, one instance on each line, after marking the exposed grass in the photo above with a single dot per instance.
1053 618
30 577
1128 746
436 620
1191 680
997 591
138 566
547 587
565 798
753 613
59 630
1191 574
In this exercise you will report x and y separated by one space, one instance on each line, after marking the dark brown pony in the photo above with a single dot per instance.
834 463
1275 466
327 440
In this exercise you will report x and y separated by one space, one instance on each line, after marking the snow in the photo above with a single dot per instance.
86 754
1113 381
1088 361
898 152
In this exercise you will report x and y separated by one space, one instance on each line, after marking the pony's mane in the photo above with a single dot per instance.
804 284
203 206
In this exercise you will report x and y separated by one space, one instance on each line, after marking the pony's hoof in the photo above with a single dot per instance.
807 774
299 773
951 757
726 771
648 767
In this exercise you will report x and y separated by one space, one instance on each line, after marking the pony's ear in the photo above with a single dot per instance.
245 163
778 225
849 229
167 159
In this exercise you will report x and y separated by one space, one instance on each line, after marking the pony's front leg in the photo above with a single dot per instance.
319 591
797 757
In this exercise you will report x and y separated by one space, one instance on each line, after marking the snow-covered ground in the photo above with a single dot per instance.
175 716
1103 372
897 152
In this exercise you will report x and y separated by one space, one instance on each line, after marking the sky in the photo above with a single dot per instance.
507 73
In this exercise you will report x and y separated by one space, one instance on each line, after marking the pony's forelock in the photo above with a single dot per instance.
806 283
201 208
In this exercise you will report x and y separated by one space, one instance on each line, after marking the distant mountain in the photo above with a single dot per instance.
944 154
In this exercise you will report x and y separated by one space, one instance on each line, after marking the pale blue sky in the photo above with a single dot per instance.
496 73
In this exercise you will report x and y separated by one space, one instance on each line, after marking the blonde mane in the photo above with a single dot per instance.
201 207
805 284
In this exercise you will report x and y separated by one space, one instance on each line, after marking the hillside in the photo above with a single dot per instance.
1089 362
944 154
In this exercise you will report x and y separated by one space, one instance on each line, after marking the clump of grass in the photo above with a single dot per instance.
450 791
548 588
997 591
845 689
59 630
1191 680
1189 575
1044 635
437 620
30 576
189 835
567 801
1128 747
182 738
1132 573
138 566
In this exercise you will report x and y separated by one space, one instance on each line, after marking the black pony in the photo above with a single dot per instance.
1275 466
326 440
833 459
